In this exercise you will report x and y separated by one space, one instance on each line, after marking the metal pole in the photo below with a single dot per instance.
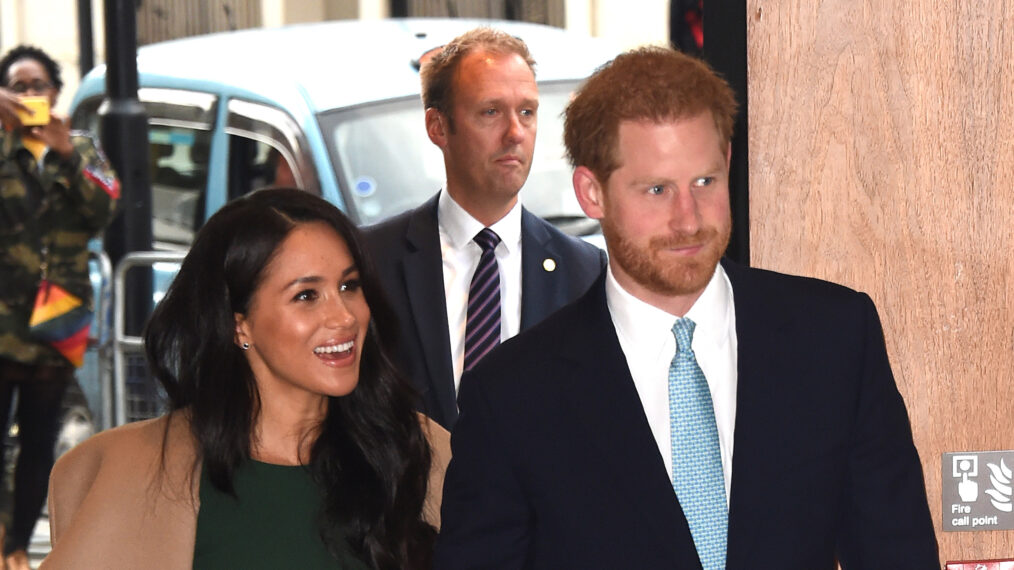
399 8
124 135
85 37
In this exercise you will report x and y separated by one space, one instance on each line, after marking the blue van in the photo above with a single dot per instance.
338 102
332 108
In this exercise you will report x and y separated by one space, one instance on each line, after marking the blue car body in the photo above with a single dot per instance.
339 103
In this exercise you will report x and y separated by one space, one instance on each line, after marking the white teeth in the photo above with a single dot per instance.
345 346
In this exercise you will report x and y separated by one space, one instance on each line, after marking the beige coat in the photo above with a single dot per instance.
111 505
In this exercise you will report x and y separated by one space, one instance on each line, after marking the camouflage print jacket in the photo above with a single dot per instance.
58 205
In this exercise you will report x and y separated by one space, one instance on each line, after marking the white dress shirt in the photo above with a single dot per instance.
645 335
460 258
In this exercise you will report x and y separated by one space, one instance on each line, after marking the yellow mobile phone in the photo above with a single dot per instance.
40 111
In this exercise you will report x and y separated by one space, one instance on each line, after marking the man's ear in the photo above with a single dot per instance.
436 127
589 192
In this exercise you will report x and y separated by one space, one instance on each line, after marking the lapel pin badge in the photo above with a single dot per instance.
549 264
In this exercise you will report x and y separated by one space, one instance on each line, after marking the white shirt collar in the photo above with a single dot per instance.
648 325
460 227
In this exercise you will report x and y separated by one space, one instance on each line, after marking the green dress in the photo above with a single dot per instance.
273 524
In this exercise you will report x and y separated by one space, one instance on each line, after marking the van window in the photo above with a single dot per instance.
179 176
266 148
384 161
179 143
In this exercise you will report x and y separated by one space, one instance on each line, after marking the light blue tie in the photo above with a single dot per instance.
696 456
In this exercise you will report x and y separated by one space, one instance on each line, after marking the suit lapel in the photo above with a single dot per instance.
536 285
608 409
424 286
758 332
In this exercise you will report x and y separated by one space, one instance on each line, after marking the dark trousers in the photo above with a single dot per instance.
40 393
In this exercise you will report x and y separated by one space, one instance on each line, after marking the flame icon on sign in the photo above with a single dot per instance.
1000 495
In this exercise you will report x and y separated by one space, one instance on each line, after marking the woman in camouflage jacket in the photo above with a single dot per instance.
57 191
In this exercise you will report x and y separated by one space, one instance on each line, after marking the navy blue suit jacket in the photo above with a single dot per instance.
554 464
406 252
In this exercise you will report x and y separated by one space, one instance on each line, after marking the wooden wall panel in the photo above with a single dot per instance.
882 157
161 20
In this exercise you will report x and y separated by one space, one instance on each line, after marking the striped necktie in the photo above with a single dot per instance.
696 456
482 328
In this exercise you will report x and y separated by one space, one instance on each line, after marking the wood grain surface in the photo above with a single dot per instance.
882 157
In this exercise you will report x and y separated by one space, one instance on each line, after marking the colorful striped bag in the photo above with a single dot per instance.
62 320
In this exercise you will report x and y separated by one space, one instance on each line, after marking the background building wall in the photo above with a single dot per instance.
162 20
881 158
628 24
52 24
282 12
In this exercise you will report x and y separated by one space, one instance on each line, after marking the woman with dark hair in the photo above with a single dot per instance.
291 440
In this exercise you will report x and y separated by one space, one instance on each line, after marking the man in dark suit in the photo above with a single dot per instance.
481 103
686 412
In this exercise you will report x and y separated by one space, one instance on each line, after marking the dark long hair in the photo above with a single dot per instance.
371 460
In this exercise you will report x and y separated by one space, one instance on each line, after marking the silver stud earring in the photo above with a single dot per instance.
246 346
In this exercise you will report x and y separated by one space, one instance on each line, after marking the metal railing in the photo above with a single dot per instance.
98 337
98 334
122 344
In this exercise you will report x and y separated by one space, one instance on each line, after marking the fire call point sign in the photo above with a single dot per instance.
978 490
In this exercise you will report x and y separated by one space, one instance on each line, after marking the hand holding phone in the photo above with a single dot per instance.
55 134
38 111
